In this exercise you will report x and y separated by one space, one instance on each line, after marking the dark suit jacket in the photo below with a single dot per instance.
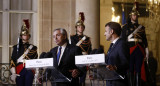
119 57
67 63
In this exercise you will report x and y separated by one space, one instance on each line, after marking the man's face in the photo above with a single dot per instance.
108 33
25 38
80 29
134 17
59 38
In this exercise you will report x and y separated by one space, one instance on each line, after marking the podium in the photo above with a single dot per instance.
103 73
97 65
59 77
48 64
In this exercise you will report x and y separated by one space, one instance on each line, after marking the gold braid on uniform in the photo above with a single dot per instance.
32 52
26 57
138 34
12 64
35 57
135 38
85 50
85 44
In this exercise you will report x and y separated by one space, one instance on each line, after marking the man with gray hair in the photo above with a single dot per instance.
64 58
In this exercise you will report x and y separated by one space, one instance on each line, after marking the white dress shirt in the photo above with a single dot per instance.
114 41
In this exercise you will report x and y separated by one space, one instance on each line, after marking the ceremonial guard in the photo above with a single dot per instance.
135 35
22 51
81 40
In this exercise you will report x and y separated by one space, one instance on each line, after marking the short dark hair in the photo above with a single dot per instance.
115 26
63 32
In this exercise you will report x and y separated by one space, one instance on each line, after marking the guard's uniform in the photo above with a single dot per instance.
137 44
85 45
26 75
85 48
23 51
82 41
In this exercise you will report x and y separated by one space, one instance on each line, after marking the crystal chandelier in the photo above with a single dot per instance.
115 18
153 6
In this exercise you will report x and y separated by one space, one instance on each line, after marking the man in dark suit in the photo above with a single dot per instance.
117 58
64 58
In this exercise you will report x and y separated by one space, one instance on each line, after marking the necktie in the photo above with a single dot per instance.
110 47
59 53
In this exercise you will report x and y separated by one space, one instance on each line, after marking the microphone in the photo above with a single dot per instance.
99 51
48 55
93 51
42 55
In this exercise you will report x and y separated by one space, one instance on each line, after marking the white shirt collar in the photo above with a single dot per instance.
64 45
114 41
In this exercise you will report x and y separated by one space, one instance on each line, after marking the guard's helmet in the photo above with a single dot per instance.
135 9
25 28
80 21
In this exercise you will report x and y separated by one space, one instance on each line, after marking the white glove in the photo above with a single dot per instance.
84 53
14 75
147 54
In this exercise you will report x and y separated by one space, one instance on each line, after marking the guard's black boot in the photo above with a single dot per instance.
131 79
82 84
138 79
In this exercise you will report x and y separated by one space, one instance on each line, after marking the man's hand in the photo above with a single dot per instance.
13 77
147 54
75 73
110 67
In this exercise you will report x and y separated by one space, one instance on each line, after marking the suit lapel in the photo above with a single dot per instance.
108 55
65 53
55 57
114 46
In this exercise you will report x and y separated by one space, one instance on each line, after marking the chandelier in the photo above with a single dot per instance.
115 18
154 6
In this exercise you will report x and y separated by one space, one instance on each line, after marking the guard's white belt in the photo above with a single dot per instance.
134 40
21 61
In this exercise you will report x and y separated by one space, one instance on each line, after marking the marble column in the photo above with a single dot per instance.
91 9
45 25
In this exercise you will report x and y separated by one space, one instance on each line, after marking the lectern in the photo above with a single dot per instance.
46 63
96 64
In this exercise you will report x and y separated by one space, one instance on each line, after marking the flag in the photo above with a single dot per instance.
123 15
123 18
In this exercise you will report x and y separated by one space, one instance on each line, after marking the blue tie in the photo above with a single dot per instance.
59 53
